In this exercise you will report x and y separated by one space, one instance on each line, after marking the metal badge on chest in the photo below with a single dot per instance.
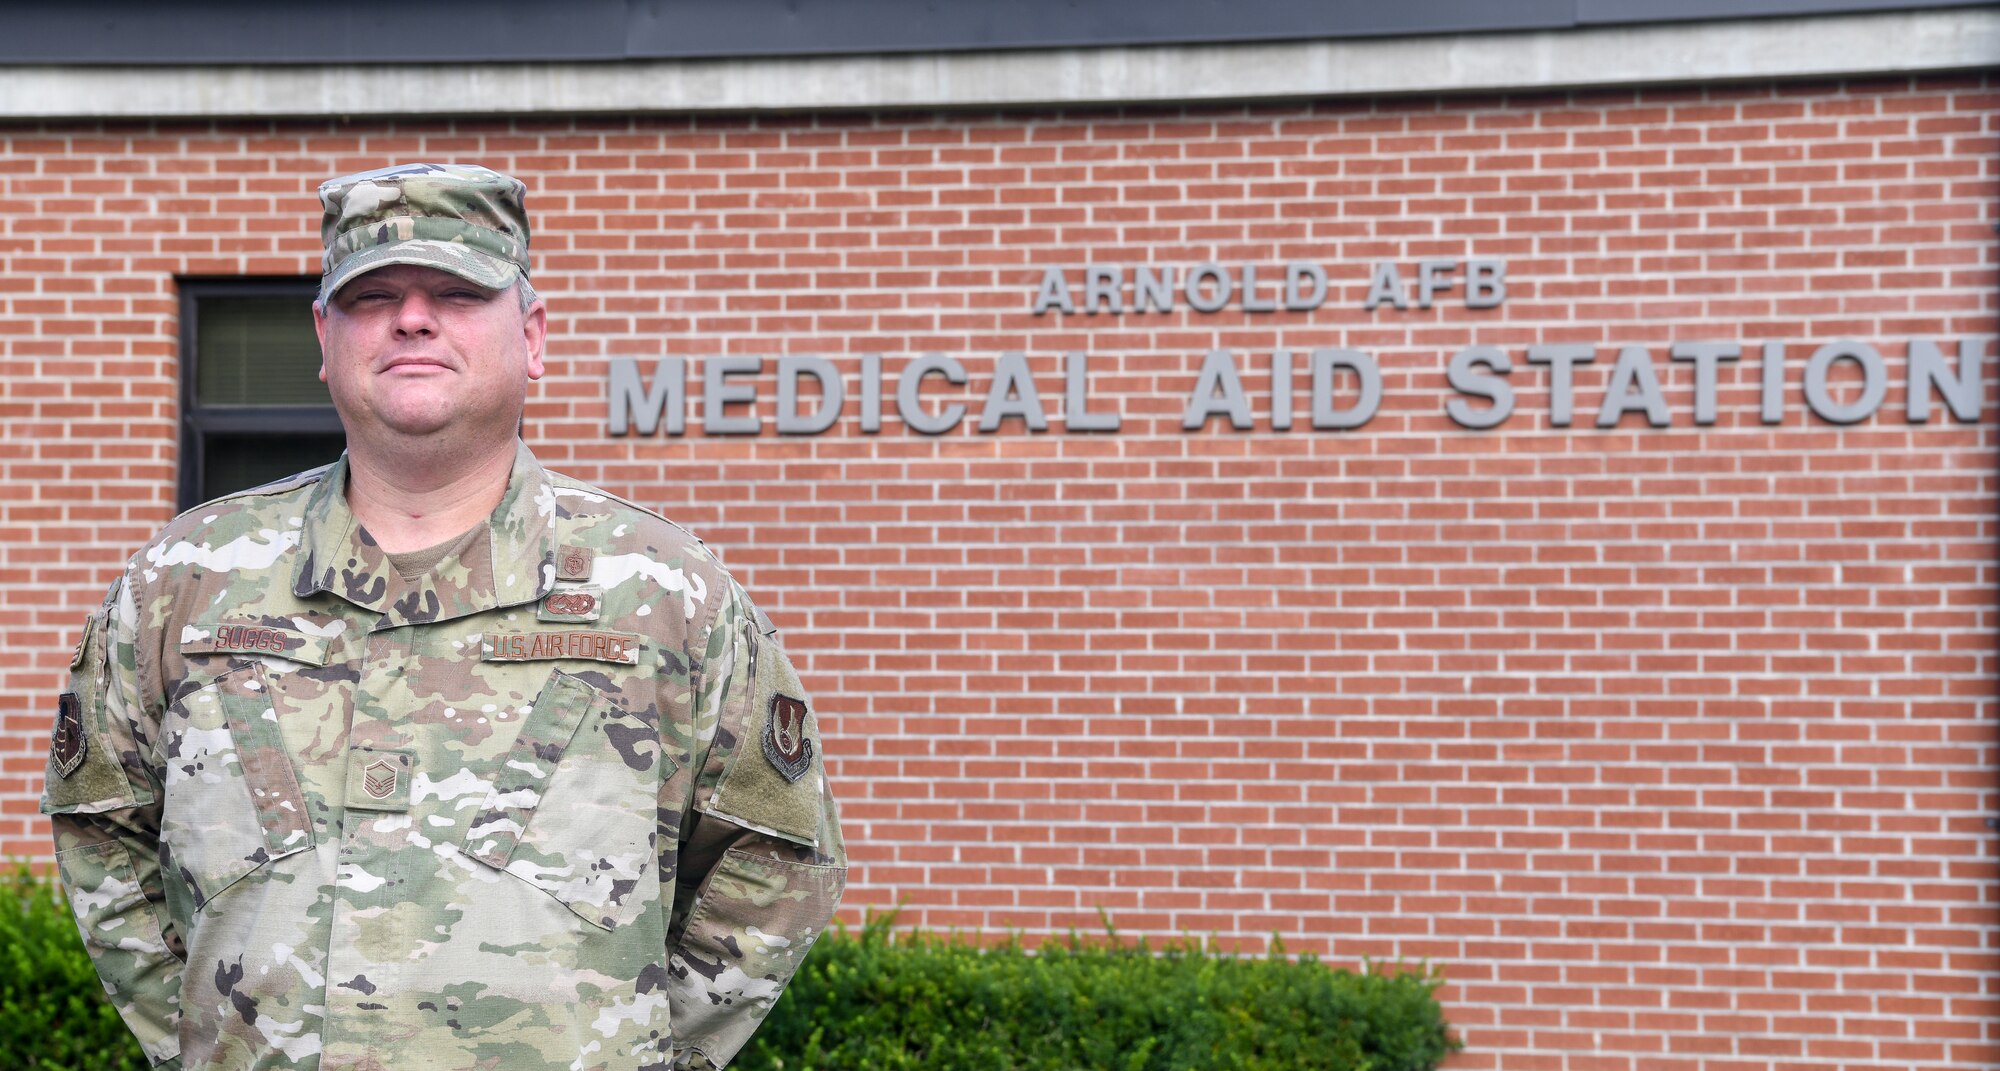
572 599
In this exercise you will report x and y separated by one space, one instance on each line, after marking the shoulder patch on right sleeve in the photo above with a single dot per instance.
86 770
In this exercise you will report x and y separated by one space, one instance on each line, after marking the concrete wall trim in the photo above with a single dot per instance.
1892 43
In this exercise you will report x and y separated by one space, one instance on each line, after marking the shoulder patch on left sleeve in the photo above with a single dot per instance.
785 740
774 780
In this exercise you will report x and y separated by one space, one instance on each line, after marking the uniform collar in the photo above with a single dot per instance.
510 562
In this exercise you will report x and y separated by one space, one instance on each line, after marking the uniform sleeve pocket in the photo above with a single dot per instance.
122 931
574 806
752 926
233 798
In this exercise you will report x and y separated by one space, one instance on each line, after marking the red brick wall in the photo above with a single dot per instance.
1674 746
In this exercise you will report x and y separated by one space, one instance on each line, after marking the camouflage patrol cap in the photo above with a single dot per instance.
462 218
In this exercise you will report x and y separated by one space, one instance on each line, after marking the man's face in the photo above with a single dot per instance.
414 351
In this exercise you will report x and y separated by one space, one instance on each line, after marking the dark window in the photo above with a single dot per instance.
252 407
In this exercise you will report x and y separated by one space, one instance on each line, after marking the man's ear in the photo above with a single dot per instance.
319 328
535 333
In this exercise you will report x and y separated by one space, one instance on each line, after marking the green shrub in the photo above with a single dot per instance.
53 1014
881 1001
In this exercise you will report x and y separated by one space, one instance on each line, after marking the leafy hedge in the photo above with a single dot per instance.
878 1000
883 1001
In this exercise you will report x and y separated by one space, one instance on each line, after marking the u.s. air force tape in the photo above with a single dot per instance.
619 647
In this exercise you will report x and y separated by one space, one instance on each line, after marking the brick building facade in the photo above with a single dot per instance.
1666 727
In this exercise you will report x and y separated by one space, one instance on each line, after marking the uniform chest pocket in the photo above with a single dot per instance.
574 807
232 793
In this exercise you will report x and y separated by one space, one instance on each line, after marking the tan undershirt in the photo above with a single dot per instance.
413 564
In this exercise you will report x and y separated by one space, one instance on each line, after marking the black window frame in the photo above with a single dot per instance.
198 421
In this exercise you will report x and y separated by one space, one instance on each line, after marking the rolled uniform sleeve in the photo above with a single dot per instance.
762 866
102 796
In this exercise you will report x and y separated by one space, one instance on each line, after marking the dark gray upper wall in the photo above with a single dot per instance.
455 31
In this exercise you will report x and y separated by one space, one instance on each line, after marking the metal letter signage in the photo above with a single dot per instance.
1484 381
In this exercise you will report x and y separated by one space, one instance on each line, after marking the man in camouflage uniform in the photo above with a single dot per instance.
433 758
